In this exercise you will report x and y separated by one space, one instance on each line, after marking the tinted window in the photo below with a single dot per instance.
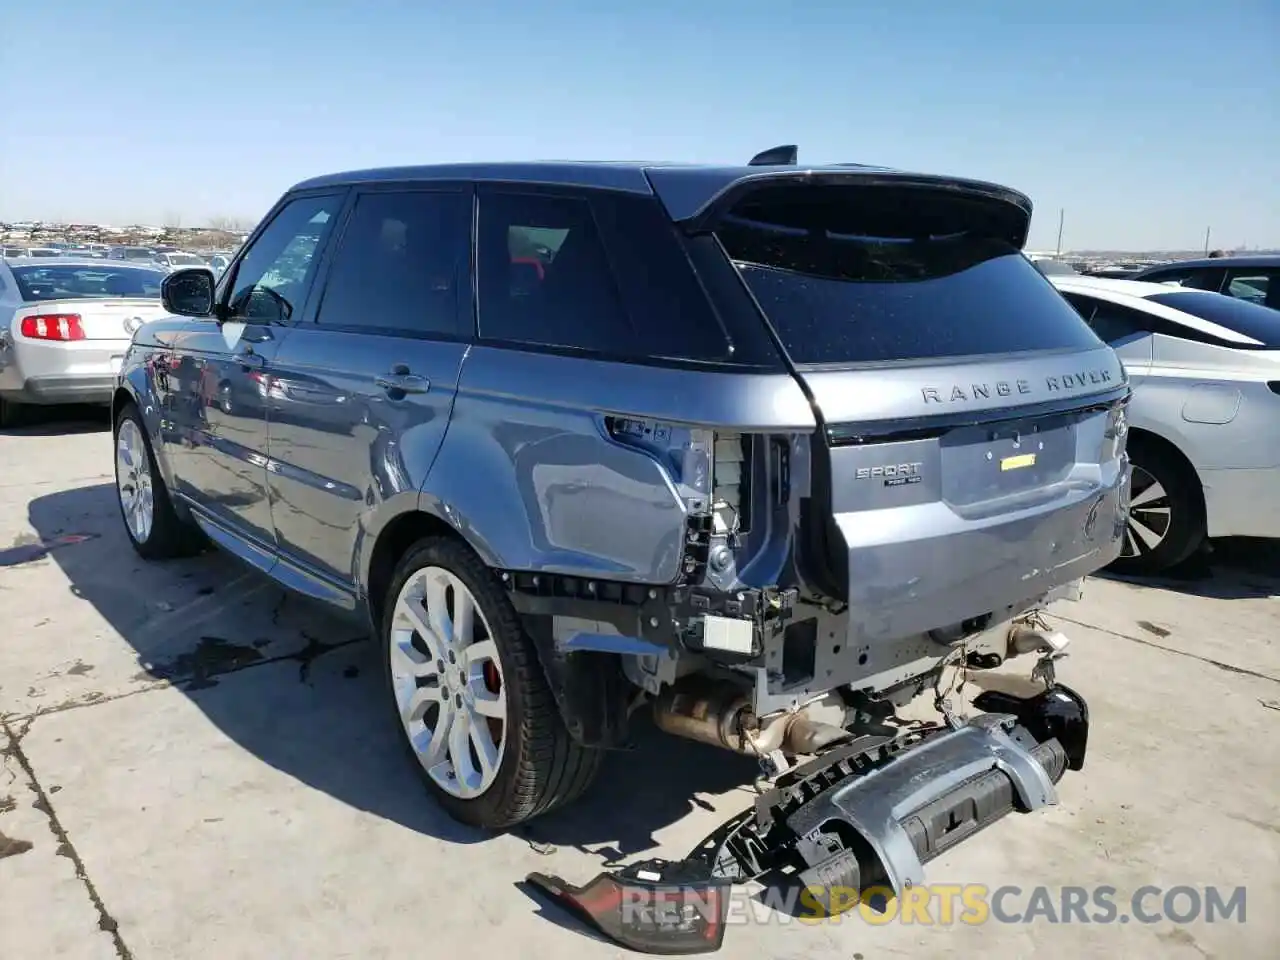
1200 278
399 264
272 278
1250 285
607 276
1240 316
874 275
1109 321
54 282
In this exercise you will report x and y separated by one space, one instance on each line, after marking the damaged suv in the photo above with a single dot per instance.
758 449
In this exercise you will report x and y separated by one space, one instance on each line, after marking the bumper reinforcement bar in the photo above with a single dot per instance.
870 812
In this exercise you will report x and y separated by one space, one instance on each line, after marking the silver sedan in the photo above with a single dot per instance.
1205 417
65 326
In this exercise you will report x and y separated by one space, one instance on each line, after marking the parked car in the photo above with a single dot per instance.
65 326
1256 279
1204 434
140 254
218 262
43 253
733 448
175 260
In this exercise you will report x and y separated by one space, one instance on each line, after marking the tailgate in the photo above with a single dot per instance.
971 455
935 520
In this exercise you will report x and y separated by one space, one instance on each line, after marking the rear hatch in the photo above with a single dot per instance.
970 455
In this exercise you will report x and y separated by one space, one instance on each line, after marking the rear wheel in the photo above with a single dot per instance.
10 414
1166 513
154 528
470 695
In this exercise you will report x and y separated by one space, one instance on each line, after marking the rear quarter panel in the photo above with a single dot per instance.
528 474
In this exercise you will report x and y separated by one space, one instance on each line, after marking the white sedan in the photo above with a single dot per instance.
65 326
1205 418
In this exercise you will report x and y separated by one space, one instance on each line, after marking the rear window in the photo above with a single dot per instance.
866 274
69 282
1250 319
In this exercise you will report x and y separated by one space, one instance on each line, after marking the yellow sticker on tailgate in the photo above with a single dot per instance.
1018 462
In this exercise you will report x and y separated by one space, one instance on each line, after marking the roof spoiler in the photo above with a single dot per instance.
785 156
704 217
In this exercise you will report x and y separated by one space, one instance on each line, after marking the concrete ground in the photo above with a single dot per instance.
196 766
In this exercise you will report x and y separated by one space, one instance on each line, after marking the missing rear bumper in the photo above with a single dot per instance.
867 813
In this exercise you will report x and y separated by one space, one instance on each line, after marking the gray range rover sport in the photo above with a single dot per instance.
758 449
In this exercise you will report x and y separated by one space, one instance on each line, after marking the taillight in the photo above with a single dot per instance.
52 326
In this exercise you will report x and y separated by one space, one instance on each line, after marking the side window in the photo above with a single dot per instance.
1109 321
1251 285
272 278
544 278
1199 278
606 275
400 262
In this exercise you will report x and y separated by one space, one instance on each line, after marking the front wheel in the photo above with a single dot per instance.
470 695
154 527
1166 514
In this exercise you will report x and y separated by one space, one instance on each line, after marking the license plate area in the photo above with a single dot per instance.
994 461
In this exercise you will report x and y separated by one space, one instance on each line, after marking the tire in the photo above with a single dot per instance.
1166 513
11 414
163 535
539 766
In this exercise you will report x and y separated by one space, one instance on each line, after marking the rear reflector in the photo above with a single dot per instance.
52 326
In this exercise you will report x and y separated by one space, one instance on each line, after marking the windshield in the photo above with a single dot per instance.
78 283
185 258
138 253
890 275
36 252
1251 319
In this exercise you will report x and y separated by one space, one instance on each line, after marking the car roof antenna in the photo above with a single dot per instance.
784 156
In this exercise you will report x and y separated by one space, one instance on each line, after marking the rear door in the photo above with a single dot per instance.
965 465
361 393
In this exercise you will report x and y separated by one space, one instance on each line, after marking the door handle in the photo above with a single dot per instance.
402 383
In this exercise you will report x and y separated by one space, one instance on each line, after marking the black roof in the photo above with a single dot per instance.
1259 260
685 189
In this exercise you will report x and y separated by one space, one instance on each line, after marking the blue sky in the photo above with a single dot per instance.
1146 121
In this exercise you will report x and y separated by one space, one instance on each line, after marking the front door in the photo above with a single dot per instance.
222 368
362 391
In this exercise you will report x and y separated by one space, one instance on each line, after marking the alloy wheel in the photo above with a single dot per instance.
133 480
1150 515
448 683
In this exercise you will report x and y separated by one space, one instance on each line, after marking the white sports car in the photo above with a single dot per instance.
1205 417
65 326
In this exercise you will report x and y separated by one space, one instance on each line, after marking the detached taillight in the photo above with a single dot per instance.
61 327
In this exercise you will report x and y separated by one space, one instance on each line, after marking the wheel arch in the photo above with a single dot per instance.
389 544
1141 438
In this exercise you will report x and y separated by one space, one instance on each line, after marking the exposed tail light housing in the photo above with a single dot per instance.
59 327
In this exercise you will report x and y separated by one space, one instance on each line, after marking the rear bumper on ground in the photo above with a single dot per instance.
1242 503
97 388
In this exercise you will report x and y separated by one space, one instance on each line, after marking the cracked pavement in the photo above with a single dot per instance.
194 765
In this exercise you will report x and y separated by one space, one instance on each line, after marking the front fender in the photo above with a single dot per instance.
138 382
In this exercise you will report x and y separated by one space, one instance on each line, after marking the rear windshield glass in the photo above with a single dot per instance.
70 282
875 274
1260 323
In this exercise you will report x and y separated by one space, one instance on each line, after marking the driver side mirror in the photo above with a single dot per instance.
189 292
